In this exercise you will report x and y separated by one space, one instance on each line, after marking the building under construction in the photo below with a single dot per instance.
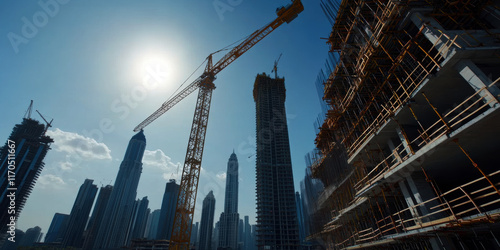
21 162
408 152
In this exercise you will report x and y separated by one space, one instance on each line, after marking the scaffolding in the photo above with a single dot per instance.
412 97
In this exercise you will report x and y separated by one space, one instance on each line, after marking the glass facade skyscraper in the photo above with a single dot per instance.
114 227
80 214
207 222
228 231
168 210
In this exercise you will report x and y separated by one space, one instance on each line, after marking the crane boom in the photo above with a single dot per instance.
185 207
169 104
287 14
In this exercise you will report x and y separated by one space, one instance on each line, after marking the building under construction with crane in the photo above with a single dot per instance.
184 212
21 162
408 151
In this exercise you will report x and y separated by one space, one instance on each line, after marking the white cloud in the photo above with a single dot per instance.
221 176
79 145
157 160
73 149
50 181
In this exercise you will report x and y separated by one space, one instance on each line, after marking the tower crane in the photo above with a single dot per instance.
184 211
275 68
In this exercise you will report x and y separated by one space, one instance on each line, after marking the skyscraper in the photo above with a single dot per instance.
97 215
194 234
114 226
300 217
57 228
153 221
80 214
207 222
21 162
228 231
168 210
31 236
140 219
248 234
276 212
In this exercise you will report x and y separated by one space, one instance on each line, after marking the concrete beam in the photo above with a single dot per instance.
478 80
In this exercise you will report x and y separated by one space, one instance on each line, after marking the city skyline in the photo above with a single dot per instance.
67 165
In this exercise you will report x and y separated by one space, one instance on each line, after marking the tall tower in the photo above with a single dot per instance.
153 219
248 234
276 212
168 210
207 222
57 227
114 227
97 215
228 231
140 219
80 214
21 162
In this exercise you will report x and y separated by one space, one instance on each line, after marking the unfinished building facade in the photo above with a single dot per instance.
408 152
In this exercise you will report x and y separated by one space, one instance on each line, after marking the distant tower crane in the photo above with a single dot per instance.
184 211
275 68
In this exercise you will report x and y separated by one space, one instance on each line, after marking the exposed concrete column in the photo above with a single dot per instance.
430 31
477 80
422 191
408 199
403 140
394 152
419 192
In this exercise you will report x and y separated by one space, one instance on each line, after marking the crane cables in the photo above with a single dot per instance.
228 47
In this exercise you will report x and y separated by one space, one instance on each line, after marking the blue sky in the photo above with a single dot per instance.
88 65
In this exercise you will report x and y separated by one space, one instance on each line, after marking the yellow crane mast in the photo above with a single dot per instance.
184 212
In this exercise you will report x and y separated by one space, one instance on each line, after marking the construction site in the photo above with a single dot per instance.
407 152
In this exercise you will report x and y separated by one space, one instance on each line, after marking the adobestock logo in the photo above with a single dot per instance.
30 27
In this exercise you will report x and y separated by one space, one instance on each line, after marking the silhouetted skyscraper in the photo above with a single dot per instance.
228 227
153 222
31 236
300 217
80 214
141 217
194 234
21 162
168 210
207 222
97 215
57 228
248 234
276 212
115 224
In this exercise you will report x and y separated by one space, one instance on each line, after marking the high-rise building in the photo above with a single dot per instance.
80 214
114 227
207 222
194 234
21 162
57 228
409 148
140 218
276 212
168 210
228 231
153 221
97 215
247 234
215 235
300 216
31 236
